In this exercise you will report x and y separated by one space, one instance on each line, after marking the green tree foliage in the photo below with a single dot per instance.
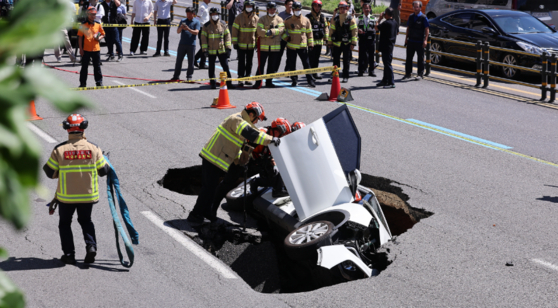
31 27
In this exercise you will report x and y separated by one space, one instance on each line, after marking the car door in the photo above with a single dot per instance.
459 29
310 167
478 30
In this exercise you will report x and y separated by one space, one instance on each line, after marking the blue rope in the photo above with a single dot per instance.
113 186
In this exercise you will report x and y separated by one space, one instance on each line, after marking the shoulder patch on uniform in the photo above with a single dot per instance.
60 144
81 154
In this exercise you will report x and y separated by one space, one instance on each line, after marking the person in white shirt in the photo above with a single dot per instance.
143 11
99 8
162 16
203 17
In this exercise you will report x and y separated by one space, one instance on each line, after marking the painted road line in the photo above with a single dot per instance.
208 258
139 91
546 264
452 132
41 133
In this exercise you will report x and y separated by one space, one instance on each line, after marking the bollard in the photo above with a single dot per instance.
127 6
427 55
257 11
552 78
486 67
377 47
172 12
544 80
223 10
196 5
478 61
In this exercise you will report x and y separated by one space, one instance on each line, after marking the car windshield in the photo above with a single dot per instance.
521 24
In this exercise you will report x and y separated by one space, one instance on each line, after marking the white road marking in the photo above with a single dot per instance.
547 264
191 245
139 91
40 132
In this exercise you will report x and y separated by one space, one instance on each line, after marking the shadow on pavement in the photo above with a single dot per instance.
549 199
23 264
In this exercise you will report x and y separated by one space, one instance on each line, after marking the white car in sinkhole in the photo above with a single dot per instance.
319 166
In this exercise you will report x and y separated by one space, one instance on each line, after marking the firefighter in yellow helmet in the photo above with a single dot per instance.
77 163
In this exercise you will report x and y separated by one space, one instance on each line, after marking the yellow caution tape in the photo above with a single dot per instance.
253 78
285 74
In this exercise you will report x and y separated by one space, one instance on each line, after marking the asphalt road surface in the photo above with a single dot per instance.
483 161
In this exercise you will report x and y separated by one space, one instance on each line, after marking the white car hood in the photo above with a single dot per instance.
311 170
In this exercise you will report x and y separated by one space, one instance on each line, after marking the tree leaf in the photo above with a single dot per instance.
10 295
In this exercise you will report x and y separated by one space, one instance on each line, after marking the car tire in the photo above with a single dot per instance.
303 242
235 197
348 271
509 72
435 58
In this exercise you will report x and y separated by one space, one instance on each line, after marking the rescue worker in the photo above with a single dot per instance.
366 41
244 39
320 34
77 163
220 157
216 42
269 173
288 12
269 31
297 125
298 34
90 33
416 39
343 38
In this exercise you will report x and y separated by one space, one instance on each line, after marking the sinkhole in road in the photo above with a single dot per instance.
257 255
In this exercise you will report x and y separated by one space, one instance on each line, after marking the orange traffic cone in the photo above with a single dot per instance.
33 112
335 86
223 102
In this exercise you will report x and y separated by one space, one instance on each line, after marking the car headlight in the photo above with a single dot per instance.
531 48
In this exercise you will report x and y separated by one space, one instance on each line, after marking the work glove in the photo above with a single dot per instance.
275 170
310 48
206 53
276 141
228 53
52 206
235 46
269 33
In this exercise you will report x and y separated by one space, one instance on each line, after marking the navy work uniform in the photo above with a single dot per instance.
366 44
416 26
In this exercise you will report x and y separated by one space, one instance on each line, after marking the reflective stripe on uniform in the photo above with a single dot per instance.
52 164
214 159
229 136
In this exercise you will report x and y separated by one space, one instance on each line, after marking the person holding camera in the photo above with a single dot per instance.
90 33
216 43
188 30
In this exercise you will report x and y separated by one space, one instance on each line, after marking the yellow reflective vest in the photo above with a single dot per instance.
299 29
244 30
215 37
77 164
224 146
272 42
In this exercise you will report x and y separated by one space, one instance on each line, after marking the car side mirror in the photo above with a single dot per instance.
488 30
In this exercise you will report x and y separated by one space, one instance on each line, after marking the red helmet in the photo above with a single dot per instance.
297 125
343 4
75 123
282 125
317 2
258 109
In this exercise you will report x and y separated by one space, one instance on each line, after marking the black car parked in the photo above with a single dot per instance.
500 28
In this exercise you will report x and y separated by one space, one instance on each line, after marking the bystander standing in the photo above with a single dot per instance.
416 39
143 10
203 18
388 34
162 17
111 17
90 33
188 30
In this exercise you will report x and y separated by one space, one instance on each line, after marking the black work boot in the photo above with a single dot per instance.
90 255
213 84
68 259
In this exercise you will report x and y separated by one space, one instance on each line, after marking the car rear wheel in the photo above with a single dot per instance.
436 59
303 242
509 72
235 197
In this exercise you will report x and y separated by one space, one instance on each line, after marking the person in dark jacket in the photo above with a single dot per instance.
388 33
416 39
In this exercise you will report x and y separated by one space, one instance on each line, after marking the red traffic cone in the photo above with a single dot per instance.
335 86
33 112
223 102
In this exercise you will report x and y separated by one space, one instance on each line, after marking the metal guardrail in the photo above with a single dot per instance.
548 71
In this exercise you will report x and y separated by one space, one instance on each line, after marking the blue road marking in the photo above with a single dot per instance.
460 134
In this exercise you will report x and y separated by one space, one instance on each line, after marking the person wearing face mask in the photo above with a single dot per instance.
299 37
269 31
320 33
244 39
288 12
220 157
216 43
343 34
